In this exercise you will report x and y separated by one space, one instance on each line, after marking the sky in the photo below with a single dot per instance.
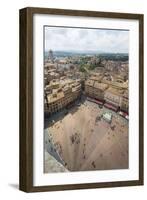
77 39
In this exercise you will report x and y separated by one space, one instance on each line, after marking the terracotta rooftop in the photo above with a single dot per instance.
116 84
55 96
101 86
89 82
95 78
115 91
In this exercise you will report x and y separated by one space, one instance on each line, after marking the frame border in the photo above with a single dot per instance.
26 99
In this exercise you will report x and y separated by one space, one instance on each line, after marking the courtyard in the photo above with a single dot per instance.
86 141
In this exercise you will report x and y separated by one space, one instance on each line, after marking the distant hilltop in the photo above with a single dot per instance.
103 55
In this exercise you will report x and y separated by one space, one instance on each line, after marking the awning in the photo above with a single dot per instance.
99 102
95 101
110 106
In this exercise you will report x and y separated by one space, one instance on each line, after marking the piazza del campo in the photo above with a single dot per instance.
86 111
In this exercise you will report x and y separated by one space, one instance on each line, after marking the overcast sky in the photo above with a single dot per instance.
67 39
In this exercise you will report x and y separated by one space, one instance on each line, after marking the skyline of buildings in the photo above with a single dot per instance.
64 83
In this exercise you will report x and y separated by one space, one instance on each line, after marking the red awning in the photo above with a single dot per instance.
111 107
95 101
99 102
126 113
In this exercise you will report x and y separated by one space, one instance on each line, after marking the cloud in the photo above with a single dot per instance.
59 38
